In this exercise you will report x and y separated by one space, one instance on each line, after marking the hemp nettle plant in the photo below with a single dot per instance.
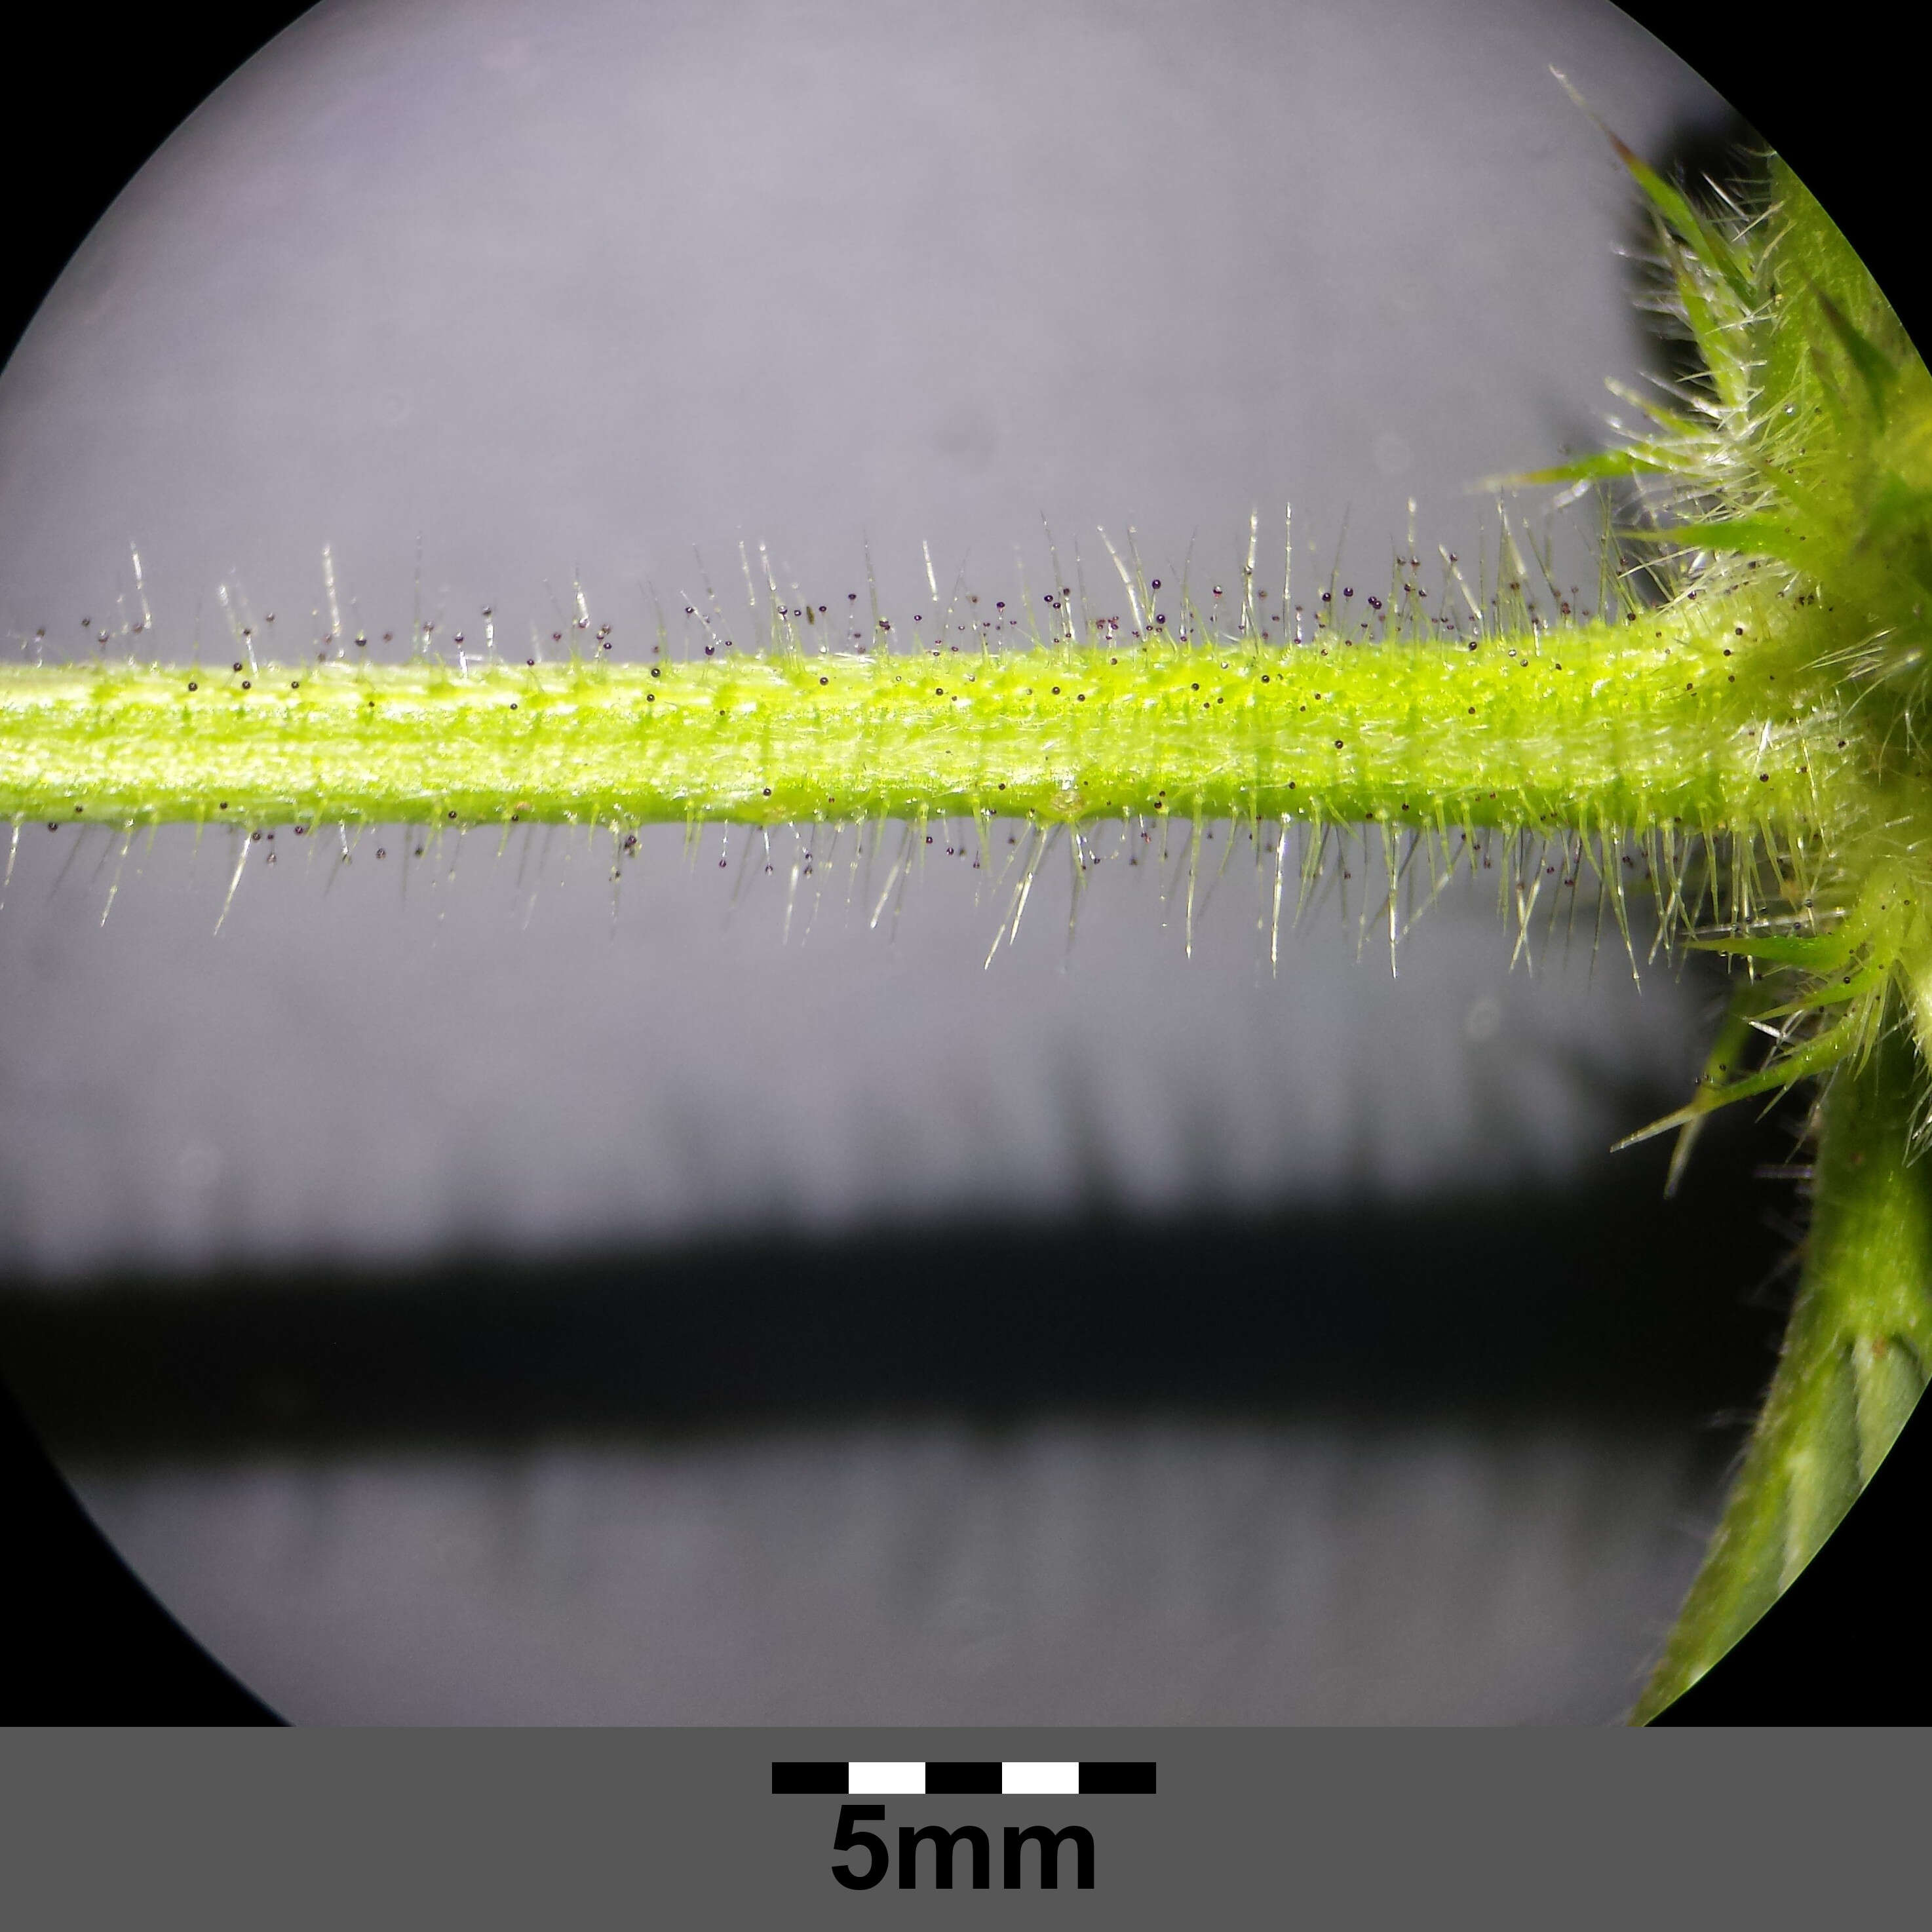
1731 728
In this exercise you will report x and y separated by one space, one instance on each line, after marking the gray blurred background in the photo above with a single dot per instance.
460 1299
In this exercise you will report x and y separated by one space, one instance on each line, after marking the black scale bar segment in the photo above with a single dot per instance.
1124 1778
945 1780
802 1779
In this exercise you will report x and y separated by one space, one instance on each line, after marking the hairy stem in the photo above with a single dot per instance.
1651 723
1853 1363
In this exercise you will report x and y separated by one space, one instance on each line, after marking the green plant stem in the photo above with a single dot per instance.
1853 1363
1650 724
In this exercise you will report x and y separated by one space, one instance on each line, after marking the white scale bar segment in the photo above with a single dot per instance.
1040 1781
886 1780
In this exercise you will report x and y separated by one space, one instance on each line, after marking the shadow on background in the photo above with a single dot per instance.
1603 1303
1601 1307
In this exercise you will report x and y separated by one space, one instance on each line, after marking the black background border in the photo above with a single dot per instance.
91 1645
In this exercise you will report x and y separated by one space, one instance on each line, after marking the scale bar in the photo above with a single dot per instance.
946 1778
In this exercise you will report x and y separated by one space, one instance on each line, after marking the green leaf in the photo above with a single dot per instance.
1876 369
1744 536
1853 1367
1602 465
